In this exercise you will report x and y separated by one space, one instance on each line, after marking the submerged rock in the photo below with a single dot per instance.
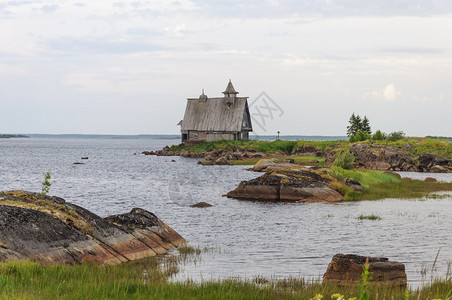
287 185
347 269
50 230
201 205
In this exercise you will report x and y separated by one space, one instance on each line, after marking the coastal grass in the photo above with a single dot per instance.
369 217
436 146
282 146
146 280
299 160
440 147
382 185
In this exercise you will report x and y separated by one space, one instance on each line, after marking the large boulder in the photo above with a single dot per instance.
288 185
51 230
345 270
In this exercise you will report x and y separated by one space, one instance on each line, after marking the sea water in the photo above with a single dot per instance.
245 239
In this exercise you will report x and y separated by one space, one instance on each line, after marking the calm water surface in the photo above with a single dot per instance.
248 238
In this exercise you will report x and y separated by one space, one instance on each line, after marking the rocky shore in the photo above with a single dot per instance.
367 155
50 230
379 157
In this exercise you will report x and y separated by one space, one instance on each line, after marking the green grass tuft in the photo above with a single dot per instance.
369 217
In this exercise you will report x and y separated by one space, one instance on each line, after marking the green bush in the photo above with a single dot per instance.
378 136
345 160
395 136
360 136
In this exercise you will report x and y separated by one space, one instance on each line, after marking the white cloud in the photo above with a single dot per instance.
388 93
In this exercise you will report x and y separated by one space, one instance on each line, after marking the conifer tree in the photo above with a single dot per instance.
365 126
355 125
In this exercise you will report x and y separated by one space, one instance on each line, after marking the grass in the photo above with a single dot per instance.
440 147
299 160
369 217
148 280
381 185
285 147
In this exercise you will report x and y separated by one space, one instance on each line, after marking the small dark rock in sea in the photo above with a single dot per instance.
86 157
201 205
430 179
78 163
173 160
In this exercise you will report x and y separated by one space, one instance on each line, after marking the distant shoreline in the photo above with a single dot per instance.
172 137
13 136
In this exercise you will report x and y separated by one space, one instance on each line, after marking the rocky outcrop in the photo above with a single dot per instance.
307 150
347 269
433 163
265 165
287 185
50 230
382 157
215 157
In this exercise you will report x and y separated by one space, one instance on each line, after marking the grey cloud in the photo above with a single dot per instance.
326 8
141 31
119 4
71 46
49 8
99 46
412 50
80 4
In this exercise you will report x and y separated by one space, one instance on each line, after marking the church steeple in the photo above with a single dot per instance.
230 91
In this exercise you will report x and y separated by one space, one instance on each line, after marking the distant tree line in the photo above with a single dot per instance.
359 130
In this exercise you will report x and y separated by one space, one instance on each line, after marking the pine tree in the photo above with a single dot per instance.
365 126
355 125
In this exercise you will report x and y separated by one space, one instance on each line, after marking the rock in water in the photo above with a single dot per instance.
287 185
50 230
347 269
201 205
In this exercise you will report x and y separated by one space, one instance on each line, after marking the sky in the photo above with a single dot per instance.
127 67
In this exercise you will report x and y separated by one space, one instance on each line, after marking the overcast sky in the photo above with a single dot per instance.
127 67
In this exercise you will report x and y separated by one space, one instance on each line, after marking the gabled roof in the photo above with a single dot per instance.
230 89
215 114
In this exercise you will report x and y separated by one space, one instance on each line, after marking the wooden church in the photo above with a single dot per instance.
214 119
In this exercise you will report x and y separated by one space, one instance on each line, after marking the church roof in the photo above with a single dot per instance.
230 89
221 114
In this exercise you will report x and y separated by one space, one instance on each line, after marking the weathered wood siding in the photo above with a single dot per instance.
211 137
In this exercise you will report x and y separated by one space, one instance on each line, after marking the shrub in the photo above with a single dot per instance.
395 136
45 185
345 160
378 136
360 136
